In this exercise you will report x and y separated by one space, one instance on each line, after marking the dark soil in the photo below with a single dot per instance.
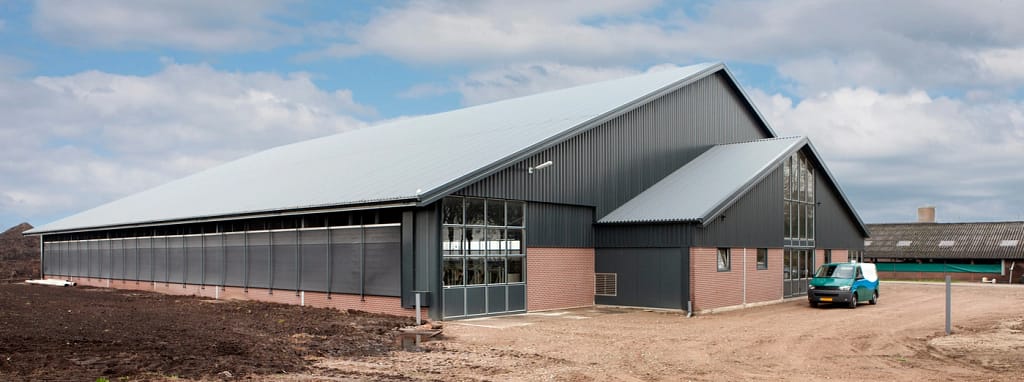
19 254
53 333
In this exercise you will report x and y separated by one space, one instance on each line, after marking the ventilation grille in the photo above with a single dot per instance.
606 284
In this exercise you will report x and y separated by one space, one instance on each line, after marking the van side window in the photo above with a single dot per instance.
860 274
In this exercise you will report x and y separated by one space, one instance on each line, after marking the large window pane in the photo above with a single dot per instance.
476 240
515 214
495 213
516 270
495 270
496 241
474 270
514 241
453 274
451 208
787 219
810 222
454 242
475 211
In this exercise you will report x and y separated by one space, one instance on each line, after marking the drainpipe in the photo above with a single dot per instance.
744 276
41 274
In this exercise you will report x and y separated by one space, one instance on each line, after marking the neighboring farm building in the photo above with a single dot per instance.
966 251
660 190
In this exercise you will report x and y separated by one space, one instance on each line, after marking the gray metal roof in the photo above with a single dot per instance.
707 185
962 240
408 160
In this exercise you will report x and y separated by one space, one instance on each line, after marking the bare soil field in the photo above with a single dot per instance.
84 333
901 338
81 334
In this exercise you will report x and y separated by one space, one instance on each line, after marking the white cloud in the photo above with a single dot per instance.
525 79
186 24
69 143
900 150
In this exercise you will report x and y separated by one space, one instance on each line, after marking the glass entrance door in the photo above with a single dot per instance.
797 270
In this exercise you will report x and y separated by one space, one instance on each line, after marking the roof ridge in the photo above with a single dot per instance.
762 140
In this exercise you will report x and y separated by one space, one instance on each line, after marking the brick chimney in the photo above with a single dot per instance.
926 214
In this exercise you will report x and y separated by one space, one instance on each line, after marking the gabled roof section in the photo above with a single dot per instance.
990 240
708 185
415 160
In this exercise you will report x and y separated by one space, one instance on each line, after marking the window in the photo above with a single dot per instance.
904 243
947 243
762 258
724 261
482 241
828 256
798 201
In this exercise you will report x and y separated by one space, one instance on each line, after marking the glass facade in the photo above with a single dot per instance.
482 242
798 201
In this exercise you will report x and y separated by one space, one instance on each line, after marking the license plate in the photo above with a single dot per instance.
826 299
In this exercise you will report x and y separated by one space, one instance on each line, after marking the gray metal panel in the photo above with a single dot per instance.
194 260
234 251
95 259
383 260
606 166
834 227
428 254
655 235
345 262
286 260
105 257
476 300
259 260
117 261
314 260
213 267
454 302
131 260
161 261
516 297
558 225
648 277
408 259
754 221
429 153
175 259
497 299
145 259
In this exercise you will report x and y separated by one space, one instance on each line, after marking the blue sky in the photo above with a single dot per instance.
911 103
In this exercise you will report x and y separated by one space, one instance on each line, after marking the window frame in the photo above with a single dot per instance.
761 265
728 259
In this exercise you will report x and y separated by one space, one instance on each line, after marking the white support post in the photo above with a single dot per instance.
419 315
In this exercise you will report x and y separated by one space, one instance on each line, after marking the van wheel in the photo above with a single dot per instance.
853 302
874 298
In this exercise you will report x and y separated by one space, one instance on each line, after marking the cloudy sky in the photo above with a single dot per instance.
911 103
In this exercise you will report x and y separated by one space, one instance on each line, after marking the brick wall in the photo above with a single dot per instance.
840 255
373 304
559 278
711 289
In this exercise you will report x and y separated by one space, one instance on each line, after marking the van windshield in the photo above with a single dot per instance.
837 271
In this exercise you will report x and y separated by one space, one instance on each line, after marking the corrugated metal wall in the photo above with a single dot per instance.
354 259
834 227
642 235
559 225
427 257
753 221
608 165
651 277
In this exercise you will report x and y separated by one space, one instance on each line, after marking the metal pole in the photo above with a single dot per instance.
419 317
948 303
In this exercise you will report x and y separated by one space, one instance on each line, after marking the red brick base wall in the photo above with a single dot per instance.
711 289
373 304
558 278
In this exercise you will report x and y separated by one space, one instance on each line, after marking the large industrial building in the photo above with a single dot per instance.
666 189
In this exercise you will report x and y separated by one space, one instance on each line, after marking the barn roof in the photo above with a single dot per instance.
707 185
995 240
408 161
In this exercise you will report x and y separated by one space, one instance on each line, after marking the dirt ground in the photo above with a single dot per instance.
901 338
84 333
81 334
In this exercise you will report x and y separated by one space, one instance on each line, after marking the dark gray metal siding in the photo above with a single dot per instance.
558 225
755 220
834 226
606 166
671 235
651 277
428 255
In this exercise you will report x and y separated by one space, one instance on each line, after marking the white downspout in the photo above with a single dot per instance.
744 276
